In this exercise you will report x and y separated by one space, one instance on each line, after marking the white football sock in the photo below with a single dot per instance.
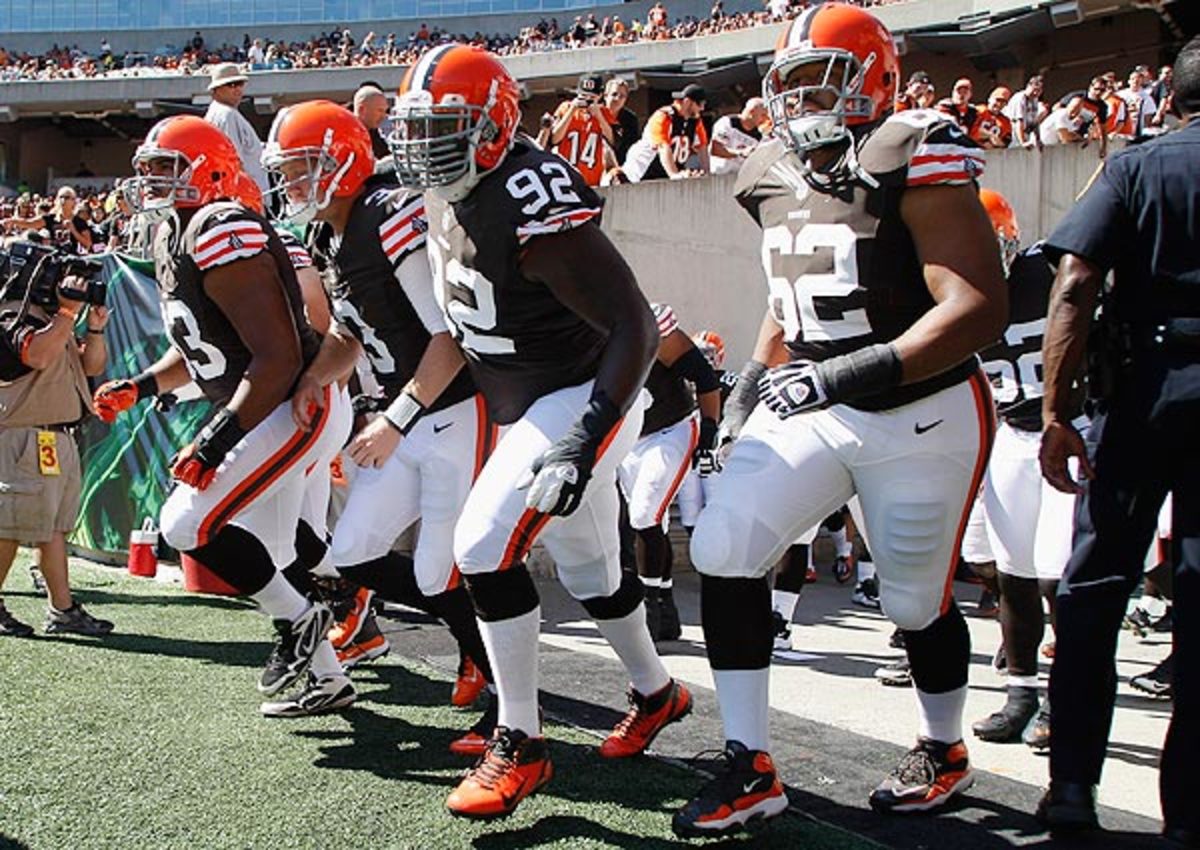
866 569
512 644
1022 681
841 544
279 600
649 581
743 697
941 714
324 662
630 640
784 602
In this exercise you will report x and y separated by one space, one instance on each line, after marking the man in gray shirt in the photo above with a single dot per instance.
227 85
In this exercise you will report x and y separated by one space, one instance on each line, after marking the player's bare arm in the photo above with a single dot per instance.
603 291
964 276
250 294
1064 345
316 303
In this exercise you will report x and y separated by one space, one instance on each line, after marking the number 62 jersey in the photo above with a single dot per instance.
842 270
521 342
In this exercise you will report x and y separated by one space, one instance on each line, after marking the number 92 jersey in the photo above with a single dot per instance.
217 234
521 342
841 267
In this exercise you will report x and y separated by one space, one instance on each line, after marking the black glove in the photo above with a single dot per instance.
705 459
558 478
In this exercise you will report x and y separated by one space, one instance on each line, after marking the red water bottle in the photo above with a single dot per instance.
142 543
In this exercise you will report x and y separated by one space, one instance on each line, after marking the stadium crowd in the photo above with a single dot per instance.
341 48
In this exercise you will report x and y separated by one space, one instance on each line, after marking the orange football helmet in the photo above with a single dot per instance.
835 67
456 117
184 162
248 193
1004 220
711 346
332 149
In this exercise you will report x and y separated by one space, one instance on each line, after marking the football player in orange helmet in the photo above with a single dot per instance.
1027 522
883 283
712 346
369 243
1004 221
235 319
183 164
559 339
458 113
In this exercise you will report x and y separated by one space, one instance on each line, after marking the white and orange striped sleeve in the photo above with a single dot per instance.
227 241
665 317
945 157
403 231
402 236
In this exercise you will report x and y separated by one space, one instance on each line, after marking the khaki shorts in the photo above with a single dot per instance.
33 506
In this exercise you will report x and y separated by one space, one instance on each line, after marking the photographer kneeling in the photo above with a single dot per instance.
43 397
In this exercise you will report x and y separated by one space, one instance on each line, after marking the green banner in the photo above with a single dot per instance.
126 465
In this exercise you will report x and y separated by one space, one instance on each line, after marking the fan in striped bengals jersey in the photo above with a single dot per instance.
235 317
883 283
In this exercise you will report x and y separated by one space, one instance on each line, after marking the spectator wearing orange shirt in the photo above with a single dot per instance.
581 133
992 128
672 135
958 106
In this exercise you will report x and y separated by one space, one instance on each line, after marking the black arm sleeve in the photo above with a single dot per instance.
694 366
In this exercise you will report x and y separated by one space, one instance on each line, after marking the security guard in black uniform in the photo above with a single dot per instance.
1140 220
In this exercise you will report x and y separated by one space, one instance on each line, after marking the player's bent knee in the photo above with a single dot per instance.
590 580
178 525
909 607
729 545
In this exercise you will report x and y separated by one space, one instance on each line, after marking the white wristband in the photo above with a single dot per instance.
404 412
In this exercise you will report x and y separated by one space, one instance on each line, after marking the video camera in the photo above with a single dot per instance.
35 272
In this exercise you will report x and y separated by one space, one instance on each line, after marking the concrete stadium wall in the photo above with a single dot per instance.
693 247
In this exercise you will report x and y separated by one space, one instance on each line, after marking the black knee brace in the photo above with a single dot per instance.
622 602
940 653
502 595
655 547
792 571
310 547
393 577
736 616
238 558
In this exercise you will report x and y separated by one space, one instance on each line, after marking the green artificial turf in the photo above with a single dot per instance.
151 738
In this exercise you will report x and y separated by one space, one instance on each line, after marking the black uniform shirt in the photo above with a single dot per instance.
520 342
1141 219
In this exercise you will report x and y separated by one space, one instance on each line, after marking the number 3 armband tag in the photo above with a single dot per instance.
47 445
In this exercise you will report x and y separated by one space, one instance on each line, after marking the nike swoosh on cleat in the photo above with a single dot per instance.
749 786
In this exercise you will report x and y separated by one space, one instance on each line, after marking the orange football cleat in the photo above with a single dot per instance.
512 767
646 718
346 630
468 685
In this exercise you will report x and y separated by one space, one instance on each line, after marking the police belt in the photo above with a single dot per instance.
1170 336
